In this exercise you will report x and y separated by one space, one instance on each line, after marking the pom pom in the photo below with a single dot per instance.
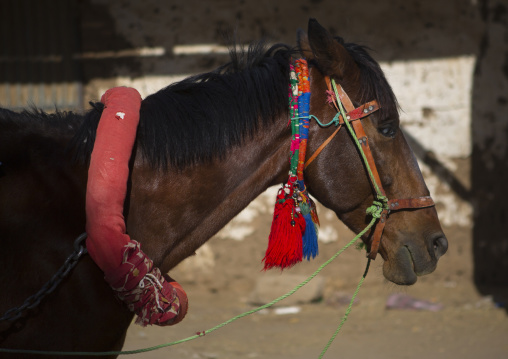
285 247
310 241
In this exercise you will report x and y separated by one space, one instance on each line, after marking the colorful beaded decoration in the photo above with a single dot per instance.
293 234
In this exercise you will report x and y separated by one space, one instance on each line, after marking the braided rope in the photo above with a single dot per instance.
348 310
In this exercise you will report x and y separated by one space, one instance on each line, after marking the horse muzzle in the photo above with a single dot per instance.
412 257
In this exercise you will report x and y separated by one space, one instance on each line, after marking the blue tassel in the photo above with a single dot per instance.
310 243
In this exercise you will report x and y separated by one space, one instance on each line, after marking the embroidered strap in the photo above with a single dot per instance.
293 234
155 298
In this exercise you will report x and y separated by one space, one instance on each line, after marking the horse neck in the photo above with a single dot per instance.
175 212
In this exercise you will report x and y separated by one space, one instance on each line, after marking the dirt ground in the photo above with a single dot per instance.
469 325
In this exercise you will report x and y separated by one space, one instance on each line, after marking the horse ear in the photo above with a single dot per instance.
331 57
303 45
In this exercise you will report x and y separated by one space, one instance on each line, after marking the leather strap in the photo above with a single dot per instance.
420 202
376 235
394 204
360 132
360 112
322 147
353 115
330 91
363 111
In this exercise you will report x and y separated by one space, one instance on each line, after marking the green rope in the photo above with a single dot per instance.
282 297
346 314
334 121
376 209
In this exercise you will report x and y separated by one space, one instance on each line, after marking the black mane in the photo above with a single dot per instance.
199 118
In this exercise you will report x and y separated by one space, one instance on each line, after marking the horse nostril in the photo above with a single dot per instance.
440 246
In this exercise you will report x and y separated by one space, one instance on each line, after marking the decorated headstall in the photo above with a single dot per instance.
293 234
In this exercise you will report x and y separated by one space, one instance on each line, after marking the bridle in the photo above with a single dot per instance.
348 115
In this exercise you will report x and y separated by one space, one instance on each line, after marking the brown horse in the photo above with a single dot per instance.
206 148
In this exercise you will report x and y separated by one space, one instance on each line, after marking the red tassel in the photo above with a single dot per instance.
285 247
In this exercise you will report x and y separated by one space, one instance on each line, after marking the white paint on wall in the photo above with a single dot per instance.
327 233
146 85
451 209
200 49
244 224
137 52
435 98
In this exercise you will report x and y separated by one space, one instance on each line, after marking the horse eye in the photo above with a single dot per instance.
388 131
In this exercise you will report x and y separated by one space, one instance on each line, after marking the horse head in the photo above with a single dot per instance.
413 240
